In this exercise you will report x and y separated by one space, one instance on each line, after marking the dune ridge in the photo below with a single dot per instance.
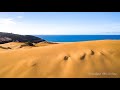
90 59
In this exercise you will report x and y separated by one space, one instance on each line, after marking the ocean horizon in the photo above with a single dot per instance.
77 38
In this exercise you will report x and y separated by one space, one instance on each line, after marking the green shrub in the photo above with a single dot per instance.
29 43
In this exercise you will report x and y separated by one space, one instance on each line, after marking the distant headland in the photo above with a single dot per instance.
10 37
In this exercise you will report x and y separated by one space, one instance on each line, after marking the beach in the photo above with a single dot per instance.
90 59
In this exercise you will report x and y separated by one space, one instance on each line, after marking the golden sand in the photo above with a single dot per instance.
90 59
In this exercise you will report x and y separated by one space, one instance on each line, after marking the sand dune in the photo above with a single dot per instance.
90 59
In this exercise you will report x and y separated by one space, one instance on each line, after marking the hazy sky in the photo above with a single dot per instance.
60 22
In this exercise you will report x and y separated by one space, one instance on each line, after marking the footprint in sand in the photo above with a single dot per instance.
102 53
83 56
34 64
66 57
92 52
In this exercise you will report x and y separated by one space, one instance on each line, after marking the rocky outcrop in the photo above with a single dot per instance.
10 37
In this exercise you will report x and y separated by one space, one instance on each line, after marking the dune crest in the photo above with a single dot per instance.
91 59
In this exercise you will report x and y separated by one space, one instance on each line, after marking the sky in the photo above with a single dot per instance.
60 23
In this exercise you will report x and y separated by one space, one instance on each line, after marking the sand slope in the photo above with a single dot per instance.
97 59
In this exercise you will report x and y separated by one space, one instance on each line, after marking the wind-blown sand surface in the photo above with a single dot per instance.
90 59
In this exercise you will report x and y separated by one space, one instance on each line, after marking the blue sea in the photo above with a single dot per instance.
77 38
